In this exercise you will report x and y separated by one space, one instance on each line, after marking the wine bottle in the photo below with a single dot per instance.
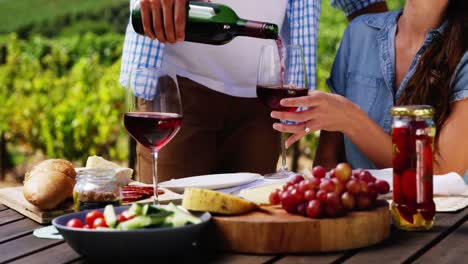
214 24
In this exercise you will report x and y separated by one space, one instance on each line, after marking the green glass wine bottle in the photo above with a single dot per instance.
214 24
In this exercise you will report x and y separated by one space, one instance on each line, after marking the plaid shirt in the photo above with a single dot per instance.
303 17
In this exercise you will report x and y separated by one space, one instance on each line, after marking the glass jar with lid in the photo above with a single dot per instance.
96 188
413 132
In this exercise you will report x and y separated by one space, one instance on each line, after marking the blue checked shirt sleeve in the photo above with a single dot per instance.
351 6
138 51
303 18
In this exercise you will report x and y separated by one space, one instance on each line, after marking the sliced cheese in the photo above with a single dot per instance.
215 202
260 195
122 174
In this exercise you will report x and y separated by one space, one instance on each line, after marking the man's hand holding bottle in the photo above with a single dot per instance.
164 20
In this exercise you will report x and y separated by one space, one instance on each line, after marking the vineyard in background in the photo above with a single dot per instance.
59 90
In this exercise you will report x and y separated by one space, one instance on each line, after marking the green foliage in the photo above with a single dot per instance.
49 17
395 4
62 96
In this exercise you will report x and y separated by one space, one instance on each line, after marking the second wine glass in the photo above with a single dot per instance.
281 74
154 111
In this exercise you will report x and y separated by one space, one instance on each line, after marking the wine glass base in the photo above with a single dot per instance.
281 174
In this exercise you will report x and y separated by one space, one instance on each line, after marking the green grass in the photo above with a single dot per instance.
15 14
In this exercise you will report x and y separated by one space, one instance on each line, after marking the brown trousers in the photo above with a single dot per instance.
219 134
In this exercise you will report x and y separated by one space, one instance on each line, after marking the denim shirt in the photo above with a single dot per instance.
364 72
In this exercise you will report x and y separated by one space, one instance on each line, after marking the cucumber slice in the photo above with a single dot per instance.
136 209
144 210
109 216
135 223
180 217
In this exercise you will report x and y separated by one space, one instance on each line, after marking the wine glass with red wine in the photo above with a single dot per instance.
154 110
281 74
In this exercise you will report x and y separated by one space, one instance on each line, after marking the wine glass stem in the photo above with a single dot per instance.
283 152
154 154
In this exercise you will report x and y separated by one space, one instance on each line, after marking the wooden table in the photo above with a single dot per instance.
445 243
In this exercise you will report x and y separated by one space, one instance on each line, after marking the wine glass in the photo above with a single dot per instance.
281 74
154 110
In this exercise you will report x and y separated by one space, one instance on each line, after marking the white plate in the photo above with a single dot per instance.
212 181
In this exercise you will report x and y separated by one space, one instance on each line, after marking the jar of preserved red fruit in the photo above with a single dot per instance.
413 131
96 188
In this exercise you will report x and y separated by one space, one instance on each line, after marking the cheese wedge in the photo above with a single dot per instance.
215 202
123 175
260 195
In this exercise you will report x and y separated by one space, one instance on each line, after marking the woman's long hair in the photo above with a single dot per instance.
431 82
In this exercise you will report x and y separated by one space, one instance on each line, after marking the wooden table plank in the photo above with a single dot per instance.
312 258
16 229
24 246
240 258
2 207
61 253
8 216
450 250
221 258
402 246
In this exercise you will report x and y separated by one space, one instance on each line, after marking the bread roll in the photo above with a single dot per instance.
49 183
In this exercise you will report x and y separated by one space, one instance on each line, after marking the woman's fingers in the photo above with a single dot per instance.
145 6
293 116
293 138
313 99
168 19
179 19
156 11
296 128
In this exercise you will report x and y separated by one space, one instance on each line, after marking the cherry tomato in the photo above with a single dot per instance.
99 222
75 223
91 216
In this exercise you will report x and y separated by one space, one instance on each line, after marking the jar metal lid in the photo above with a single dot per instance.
413 110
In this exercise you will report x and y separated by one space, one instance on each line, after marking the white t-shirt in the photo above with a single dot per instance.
231 68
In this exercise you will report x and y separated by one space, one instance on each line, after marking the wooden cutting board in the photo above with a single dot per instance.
13 197
273 231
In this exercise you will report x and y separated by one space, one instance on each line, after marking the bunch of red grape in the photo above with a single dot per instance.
334 195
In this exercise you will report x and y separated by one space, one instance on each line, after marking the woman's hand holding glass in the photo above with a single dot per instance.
325 111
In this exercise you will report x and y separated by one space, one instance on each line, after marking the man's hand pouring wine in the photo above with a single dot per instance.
164 20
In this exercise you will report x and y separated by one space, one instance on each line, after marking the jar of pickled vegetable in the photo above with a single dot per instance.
413 132
96 188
